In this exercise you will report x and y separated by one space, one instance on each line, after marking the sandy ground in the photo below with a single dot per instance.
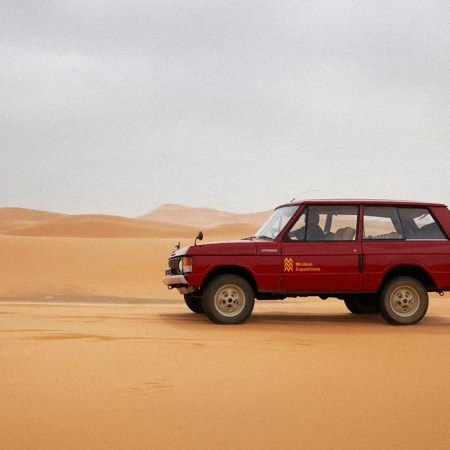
92 358
105 374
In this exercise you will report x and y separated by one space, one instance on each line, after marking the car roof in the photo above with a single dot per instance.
360 202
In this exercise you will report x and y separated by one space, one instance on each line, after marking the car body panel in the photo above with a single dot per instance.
321 266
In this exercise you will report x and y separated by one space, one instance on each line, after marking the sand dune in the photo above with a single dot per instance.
13 218
37 267
22 222
203 217
49 254
230 231
33 266
100 226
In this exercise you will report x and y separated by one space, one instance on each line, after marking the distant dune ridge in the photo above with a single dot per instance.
49 254
167 221
100 226
13 218
203 217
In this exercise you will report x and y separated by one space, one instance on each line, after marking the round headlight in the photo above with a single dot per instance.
180 265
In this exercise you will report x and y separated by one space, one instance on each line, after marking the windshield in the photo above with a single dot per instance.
276 222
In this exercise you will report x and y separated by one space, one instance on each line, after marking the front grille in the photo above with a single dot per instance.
174 266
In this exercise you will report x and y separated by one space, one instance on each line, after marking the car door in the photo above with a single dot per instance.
401 236
321 253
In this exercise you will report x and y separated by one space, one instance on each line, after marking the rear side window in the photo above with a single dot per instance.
382 222
419 224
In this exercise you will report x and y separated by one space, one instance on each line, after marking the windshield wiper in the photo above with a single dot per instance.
257 237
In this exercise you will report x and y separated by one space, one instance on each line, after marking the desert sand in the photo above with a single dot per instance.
47 254
299 374
96 353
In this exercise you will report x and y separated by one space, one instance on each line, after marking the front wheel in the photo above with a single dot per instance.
228 299
404 301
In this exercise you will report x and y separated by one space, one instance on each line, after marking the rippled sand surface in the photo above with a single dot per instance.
127 374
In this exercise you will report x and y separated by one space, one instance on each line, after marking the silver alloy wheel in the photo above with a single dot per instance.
229 300
405 301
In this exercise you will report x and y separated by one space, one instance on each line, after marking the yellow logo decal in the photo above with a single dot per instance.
288 265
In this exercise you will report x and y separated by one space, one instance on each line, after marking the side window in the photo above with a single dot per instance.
340 222
418 223
325 223
382 222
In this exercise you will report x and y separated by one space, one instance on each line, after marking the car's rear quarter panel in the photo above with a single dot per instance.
382 256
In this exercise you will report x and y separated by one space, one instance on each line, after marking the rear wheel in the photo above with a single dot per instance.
228 299
404 301
363 304
194 303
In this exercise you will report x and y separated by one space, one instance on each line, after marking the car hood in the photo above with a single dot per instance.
241 247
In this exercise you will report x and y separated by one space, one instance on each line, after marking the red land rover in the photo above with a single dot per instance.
375 255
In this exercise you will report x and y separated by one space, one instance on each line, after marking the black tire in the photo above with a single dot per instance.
404 301
363 304
194 303
228 299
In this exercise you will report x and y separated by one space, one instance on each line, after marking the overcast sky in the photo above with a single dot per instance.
120 106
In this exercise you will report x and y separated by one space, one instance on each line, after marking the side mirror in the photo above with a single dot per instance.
199 237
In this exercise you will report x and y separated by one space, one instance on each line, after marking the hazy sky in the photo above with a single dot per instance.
120 106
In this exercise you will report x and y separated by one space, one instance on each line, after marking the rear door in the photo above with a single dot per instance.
320 252
402 236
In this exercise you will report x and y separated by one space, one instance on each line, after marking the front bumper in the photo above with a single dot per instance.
179 282
174 281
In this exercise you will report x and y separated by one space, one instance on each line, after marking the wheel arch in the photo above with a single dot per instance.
231 270
417 272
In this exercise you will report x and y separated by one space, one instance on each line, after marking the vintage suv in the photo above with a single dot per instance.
375 255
